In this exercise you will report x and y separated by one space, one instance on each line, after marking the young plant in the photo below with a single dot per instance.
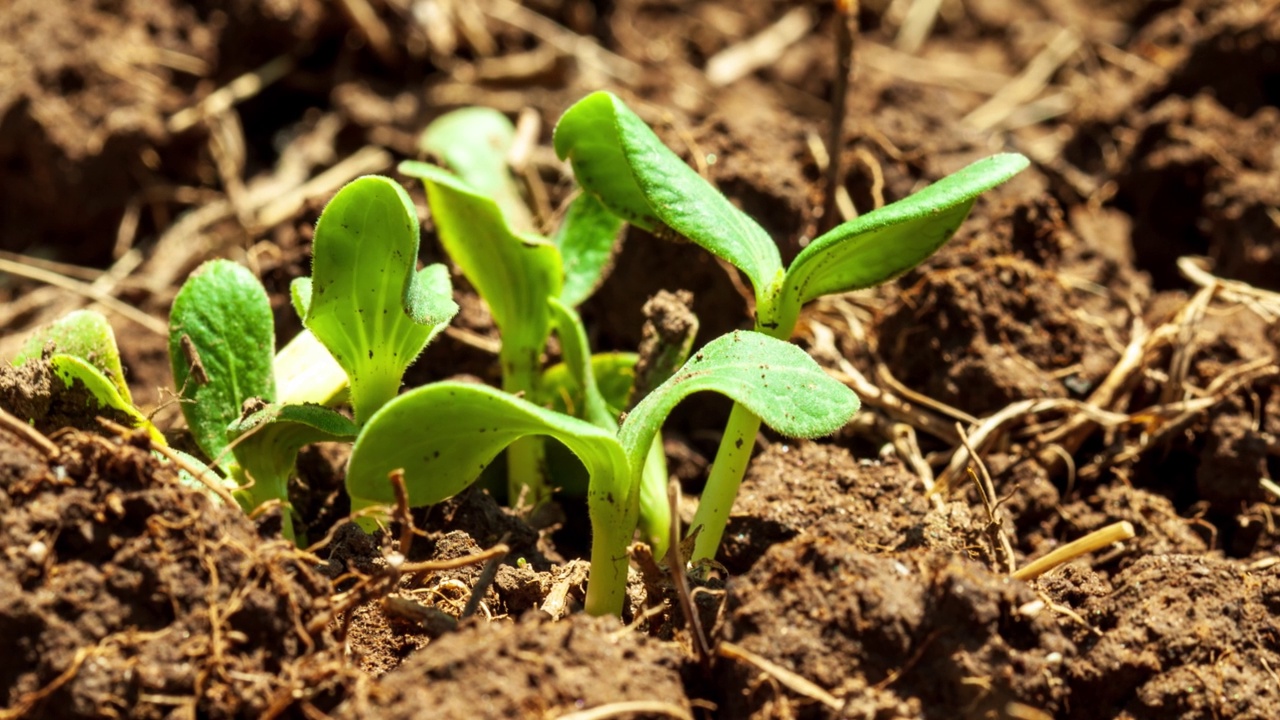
83 351
616 157
485 227
366 301
370 311
443 435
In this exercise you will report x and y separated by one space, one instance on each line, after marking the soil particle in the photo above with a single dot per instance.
125 592
942 635
1180 636
821 489
532 668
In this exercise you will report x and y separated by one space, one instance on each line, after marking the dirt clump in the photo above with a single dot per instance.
932 635
125 592
535 667
1179 636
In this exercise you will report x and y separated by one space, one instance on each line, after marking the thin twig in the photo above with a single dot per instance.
402 514
917 25
846 28
1094 541
486 578
201 475
1033 78
987 489
790 680
585 49
630 707
86 290
425 566
236 91
680 579
760 50
30 434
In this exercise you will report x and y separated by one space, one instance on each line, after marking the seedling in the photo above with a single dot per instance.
83 350
616 157
443 435
370 311
531 283
366 301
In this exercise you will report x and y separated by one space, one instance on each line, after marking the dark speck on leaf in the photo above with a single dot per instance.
370 354
738 444
609 496
435 454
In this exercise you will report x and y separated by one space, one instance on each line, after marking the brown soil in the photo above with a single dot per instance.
1103 376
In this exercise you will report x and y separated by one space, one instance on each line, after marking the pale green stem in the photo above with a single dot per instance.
526 457
261 487
655 510
726 476
307 373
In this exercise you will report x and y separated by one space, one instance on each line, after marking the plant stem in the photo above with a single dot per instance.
726 476
307 373
526 468
526 457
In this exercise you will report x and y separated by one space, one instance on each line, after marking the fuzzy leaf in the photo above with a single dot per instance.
773 379
515 274
616 157
614 373
365 301
877 247
71 370
474 143
85 334
587 240
444 434
224 313
267 444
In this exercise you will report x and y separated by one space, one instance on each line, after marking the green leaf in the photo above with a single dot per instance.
224 315
887 242
443 435
474 143
71 370
266 446
773 379
85 334
515 274
365 301
614 373
307 373
587 240
616 157
573 345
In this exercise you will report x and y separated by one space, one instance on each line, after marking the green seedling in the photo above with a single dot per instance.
366 301
443 435
369 314
485 226
617 158
83 351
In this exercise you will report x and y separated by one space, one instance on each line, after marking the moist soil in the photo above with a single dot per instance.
1103 329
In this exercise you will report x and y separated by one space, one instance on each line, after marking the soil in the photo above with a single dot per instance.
1103 329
